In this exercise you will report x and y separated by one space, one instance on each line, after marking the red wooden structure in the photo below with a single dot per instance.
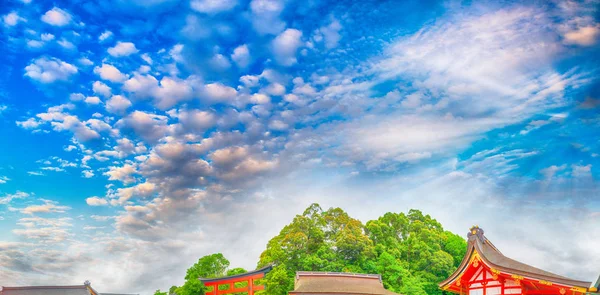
230 281
486 271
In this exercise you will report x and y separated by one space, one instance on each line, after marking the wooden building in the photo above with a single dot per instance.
486 271
85 289
229 283
314 283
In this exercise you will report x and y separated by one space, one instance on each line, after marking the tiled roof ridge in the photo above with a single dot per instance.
44 287
341 274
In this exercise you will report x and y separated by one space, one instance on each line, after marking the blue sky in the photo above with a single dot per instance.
141 135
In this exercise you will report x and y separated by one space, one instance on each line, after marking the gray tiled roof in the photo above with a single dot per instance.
46 290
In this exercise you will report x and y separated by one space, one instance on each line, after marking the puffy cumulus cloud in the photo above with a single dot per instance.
117 104
76 97
151 127
48 207
80 131
241 56
93 100
49 70
213 6
96 201
101 127
30 123
166 93
110 73
285 46
100 88
122 49
12 19
266 16
331 34
228 156
196 120
248 168
259 98
218 92
61 120
142 190
87 173
57 17
123 174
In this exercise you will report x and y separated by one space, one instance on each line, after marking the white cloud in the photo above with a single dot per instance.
117 104
110 73
275 89
166 93
30 123
105 35
96 201
146 57
64 43
241 56
584 36
84 61
56 17
12 19
285 45
71 123
7 198
47 37
331 33
219 92
36 44
582 170
259 98
35 173
49 70
122 49
212 6
48 207
3 179
265 16
100 88
93 100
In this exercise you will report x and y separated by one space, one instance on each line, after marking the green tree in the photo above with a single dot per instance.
411 251
210 266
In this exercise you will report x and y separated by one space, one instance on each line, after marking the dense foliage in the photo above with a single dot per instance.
411 251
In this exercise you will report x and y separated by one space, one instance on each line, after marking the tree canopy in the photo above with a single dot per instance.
412 252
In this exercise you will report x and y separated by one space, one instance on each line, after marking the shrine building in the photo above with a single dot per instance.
486 271
331 283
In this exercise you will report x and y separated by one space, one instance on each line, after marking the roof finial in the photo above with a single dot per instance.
87 283
476 231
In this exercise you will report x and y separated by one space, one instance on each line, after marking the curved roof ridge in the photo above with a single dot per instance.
263 270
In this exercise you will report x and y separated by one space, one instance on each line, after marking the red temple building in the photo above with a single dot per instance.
486 271
227 285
